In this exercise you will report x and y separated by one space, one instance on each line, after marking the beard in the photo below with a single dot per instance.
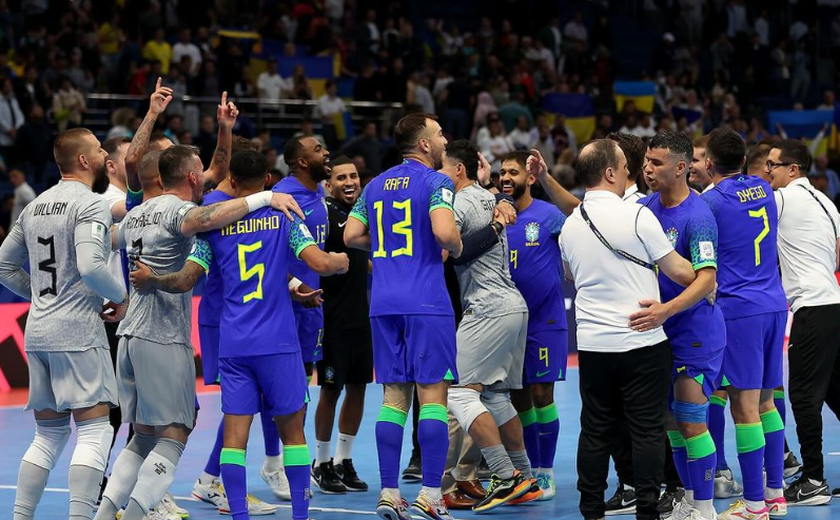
101 180
518 190
319 172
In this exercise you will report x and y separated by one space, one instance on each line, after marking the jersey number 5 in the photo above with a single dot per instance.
762 214
403 227
246 273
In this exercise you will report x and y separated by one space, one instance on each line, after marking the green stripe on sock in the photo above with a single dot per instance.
233 456
778 394
700 446
676 438
749 437
547 414
718 401
434 412
771 421
296 455
528 417
392 415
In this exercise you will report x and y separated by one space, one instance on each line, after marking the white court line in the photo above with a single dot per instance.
835 453
193 499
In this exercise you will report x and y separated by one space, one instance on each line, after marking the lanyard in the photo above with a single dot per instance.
619 252
827 214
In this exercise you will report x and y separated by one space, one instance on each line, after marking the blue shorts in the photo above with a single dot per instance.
546 356
754 351
273 383
310 329
417 348
698 341
208 335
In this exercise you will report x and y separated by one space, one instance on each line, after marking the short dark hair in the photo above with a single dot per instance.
634 150
464 152
240 144
676 143
408 130
758 154
173 163
599 155
794 151
248 166
341 160
520 156
157 135
113 144
68 146
293 150
726 148
701 141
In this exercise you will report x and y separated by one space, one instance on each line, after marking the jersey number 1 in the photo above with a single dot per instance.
403 227
762 214
246 273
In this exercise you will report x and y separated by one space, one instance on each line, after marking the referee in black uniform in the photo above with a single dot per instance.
348 348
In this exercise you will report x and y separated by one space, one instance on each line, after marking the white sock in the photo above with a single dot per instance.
394 492
273 463
120 483
344 447
770 493
755 506
706 508
207 478
689 496
323 451
154 478
433 493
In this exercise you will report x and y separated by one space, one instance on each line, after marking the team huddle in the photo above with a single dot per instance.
286 294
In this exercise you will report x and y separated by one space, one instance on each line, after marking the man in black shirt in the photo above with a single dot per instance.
348 348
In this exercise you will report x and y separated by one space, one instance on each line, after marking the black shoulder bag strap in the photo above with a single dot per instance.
827 214
619 252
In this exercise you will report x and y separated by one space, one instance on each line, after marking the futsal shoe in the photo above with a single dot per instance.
348 476
212 493
430 509
726 486
392 507
546 482
170 505
325 478
776 507
792 465
502 491
533 493
740 511
623 502
277 482
256 507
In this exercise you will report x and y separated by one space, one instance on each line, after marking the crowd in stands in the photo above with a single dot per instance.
728 60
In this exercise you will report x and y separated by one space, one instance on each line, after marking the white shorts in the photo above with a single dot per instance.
73 380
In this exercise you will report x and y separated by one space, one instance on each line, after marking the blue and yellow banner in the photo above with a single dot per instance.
806 124
578 110
639 92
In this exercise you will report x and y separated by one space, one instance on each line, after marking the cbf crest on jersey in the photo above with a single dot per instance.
532 234
673 235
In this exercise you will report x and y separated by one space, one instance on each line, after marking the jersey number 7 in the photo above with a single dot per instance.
762 214
403 227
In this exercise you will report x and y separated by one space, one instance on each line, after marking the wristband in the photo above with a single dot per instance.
258 200
294 283
497 227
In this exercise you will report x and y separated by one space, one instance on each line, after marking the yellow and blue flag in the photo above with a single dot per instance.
639 92
578 109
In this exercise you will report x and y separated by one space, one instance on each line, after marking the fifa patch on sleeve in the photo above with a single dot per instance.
447 195
707 250
97 231
305 231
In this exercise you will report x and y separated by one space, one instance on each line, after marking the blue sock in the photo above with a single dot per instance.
750 441
549 431
680 453
272 438
702 462
389 436
717 428
212 467
433 435
235 481
531 436
296 461
779 401
774 451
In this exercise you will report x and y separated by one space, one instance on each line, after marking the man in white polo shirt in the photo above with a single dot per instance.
611 250
809 227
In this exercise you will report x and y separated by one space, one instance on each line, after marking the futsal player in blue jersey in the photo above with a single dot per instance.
753 302
694 326
308 162
405 218
535 268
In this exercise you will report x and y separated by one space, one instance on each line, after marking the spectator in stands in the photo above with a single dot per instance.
77 73
521 136
820 167
185 47
484 107
368 146
68 105
24 194
300 84
11 119
34 144
575 30
244 87
545 145
307 129
206 138
562 136
513 109
497 145
419 93
269 83
207 83
455 100
158 49
30 91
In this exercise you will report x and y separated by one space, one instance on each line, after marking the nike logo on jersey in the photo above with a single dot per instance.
341 224
540 374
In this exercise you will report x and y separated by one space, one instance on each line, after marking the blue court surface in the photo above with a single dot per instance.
17 428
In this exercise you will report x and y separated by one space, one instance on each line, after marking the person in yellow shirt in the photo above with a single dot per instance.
159 49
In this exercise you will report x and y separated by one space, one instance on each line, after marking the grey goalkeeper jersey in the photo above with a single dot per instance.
64 315
152 232
486 288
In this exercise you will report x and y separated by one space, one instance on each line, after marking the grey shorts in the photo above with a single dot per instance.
491 351
71 380
156 383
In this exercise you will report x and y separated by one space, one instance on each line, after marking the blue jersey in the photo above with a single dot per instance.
314 207
253 256
692 230
210 307
407 260
536 266
748 278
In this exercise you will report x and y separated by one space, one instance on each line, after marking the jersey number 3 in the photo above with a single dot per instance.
403 227
48 266
762 214
246 273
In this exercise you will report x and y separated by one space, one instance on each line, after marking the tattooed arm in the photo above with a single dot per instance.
140 142
226 114
144 279
216 216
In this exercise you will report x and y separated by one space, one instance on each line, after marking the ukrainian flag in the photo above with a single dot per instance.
578 109
639 92
318 69
806 123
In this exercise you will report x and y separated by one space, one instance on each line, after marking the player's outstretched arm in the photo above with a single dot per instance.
446 231
559 195
677 268
13 255
158 102
356 234
226 114
655 314
144 279
324 263
221 214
